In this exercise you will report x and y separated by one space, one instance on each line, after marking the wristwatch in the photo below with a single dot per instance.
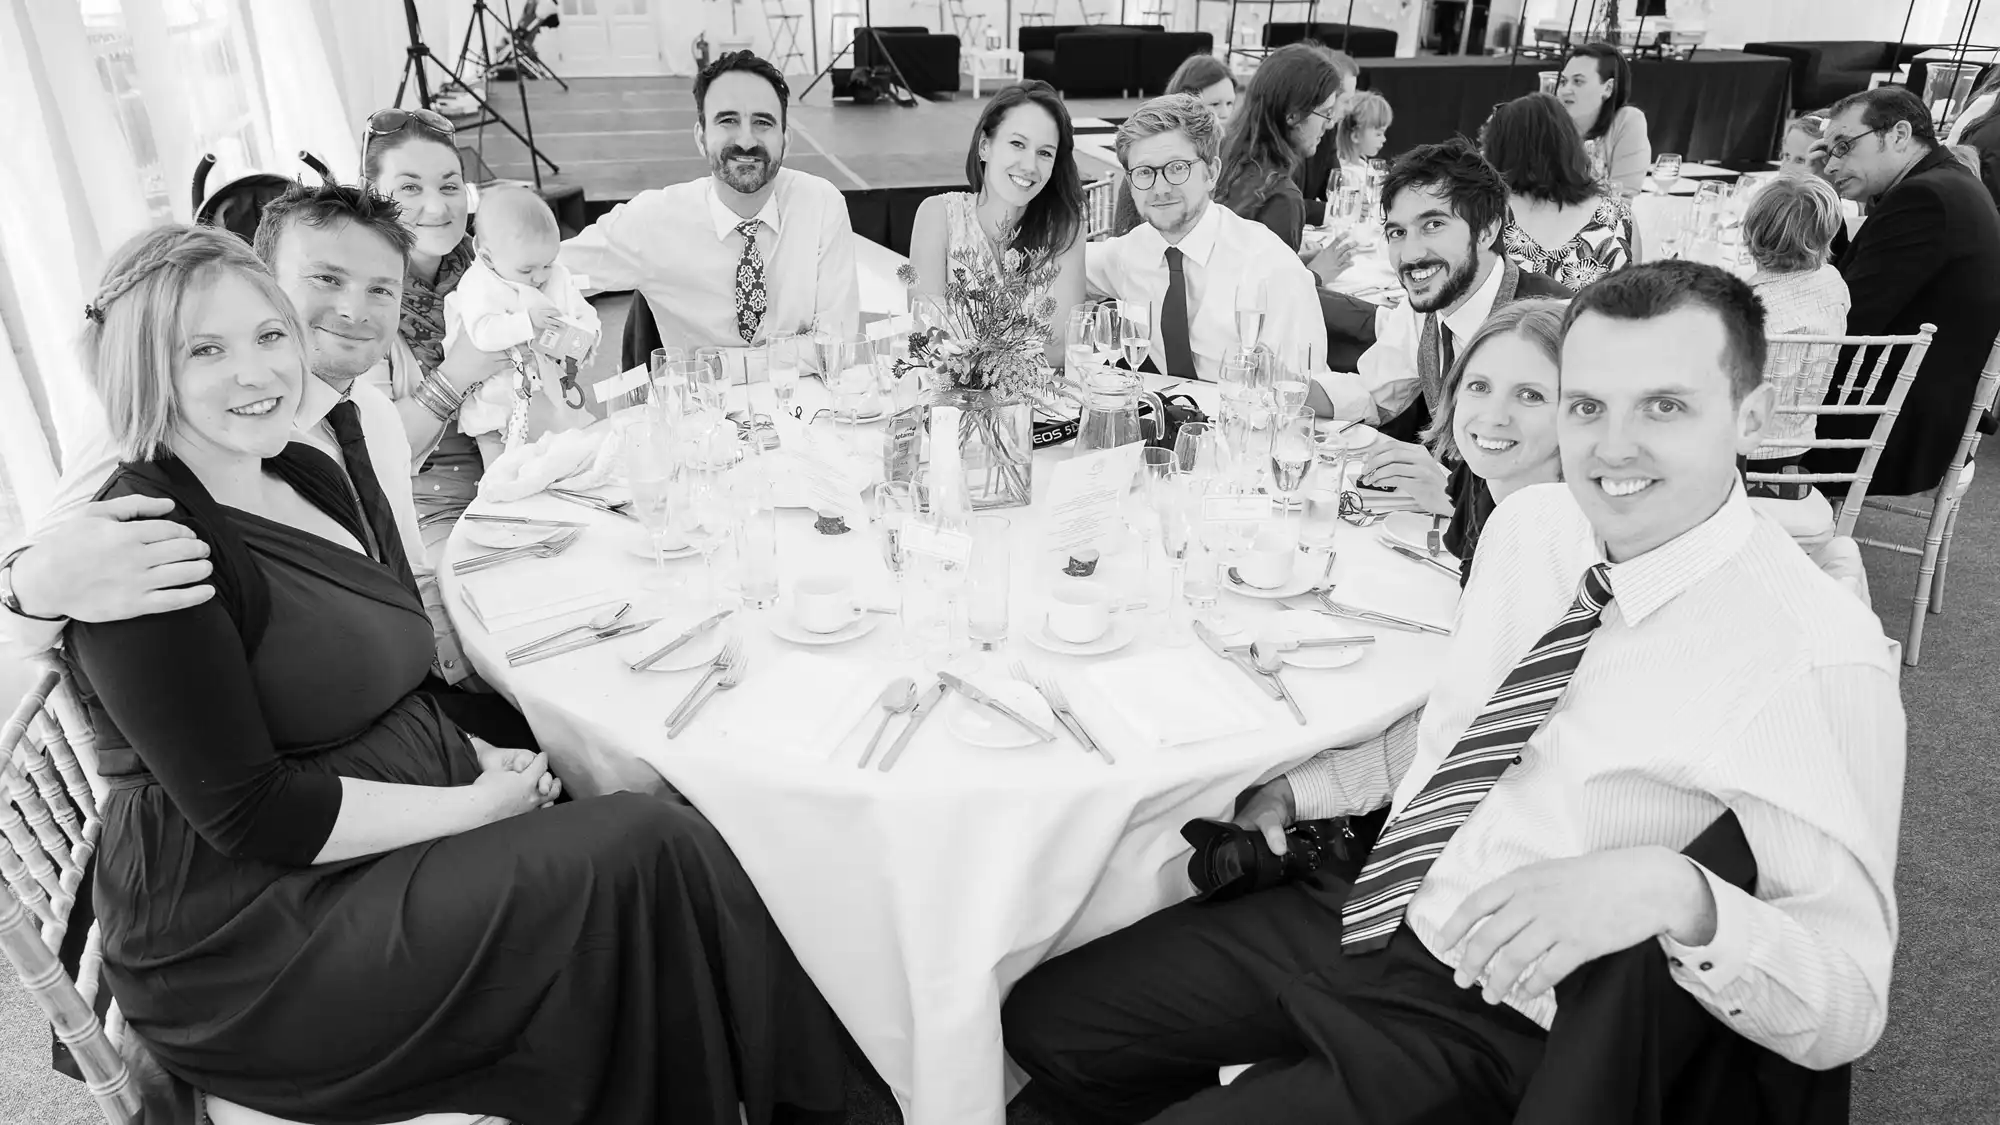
8 600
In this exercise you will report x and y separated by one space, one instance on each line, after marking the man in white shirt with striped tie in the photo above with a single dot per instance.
1636 654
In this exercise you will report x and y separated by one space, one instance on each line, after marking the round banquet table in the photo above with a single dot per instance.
917 897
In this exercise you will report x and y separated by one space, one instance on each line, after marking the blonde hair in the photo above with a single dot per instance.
510 212
1538 320
1174 113
1789 225
1364 110
135 329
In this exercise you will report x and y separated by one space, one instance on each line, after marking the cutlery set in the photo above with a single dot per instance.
554 545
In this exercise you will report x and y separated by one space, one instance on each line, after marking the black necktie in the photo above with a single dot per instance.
1174 318
345 418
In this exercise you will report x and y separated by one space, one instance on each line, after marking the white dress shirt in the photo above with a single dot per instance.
94 456
1729 672
679 246
1223 253
1387 382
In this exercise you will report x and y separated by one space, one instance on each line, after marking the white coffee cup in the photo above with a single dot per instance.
824 603
1079 613
1268 565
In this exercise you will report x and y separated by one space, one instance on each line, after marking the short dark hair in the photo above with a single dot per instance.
1473 187
1612 68
1537 150
750 63
1883 106
330 203
1654 289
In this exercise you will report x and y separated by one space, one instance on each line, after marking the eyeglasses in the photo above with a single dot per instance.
1326 115
1176 172
1838 148
383 122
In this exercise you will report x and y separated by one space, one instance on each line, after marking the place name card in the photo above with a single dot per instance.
954 548
623 383
1083 497
1235 509
832 479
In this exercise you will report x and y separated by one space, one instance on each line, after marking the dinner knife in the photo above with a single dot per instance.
1419 556
924 707
997 707
668 649
1216 646
481 517
585 642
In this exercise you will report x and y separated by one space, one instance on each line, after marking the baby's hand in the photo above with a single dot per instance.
545 319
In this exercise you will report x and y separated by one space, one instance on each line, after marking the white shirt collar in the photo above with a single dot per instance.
1466 319
317 399
1199 244
1642 585
726 220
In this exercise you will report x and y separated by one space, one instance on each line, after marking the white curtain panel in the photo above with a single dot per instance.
301 95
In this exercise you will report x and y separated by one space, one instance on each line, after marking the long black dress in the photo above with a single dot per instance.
604 960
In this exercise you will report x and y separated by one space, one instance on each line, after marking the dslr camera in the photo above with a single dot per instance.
1231 861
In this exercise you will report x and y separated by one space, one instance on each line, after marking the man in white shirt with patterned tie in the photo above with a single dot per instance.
753 250
1636 654
1192 259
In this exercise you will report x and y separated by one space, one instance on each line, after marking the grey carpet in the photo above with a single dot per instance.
1937 1060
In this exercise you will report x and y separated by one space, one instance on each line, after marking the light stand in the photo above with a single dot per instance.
418 53
1346 29
868 14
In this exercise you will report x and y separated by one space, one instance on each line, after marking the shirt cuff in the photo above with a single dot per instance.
1711 969
1350 400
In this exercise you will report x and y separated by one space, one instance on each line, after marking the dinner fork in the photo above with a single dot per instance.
547 548
615 507
731 676
1052 694
722 663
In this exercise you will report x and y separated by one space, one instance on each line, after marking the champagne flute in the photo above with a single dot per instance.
781 367
1135 332
1292 450
1250 312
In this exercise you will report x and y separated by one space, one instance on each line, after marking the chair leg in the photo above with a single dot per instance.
1944 558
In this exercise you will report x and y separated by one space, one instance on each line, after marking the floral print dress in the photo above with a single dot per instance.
1604 244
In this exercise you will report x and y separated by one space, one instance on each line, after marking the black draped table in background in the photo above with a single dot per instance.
1716 105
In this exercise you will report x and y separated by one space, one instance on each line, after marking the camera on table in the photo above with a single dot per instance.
1230 861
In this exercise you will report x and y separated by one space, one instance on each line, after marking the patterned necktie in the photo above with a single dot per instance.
750 297
345 418
1174 318
1414 840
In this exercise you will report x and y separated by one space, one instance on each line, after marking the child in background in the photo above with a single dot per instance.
508 299
1360 134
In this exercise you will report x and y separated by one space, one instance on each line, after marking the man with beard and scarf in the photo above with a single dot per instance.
339 253
1443 208
752 251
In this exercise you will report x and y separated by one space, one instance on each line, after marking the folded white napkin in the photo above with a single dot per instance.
582 459
1171 697
1808 520
507 597
798 703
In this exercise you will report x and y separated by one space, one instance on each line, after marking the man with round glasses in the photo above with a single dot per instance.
1191 261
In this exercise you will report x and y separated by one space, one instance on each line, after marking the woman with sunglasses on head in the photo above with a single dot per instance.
409 156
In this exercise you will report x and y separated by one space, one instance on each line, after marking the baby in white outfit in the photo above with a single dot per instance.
507 301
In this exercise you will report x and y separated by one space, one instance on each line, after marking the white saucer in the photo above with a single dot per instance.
1118 636
1304 573
1307 625
501 536
639 543
979 726
693 654
784 628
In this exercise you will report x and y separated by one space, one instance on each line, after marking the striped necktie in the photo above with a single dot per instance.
1417 837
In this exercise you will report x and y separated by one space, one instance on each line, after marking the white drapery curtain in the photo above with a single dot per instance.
106 106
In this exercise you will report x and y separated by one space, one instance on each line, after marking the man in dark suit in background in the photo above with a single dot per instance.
1929 253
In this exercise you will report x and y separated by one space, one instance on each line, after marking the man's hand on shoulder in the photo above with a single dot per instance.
115 559
1537 925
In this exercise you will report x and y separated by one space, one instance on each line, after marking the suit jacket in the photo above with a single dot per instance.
1629 1046
1929 253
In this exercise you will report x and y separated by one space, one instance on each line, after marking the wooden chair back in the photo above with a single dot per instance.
1100 208
49 828
1803 366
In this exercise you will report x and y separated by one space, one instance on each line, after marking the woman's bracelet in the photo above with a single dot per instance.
437 397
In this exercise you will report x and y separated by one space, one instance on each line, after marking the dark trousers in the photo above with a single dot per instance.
1133 1027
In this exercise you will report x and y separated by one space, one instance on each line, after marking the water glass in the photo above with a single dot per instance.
986 609
757 555
784 357
703 513
1320 520
1293 451
646 453
1666 171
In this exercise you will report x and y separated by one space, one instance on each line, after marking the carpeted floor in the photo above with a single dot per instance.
1939 1061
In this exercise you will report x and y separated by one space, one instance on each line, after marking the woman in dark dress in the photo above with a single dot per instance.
1497 426
319 899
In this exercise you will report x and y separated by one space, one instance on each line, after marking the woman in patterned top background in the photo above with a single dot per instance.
1559 223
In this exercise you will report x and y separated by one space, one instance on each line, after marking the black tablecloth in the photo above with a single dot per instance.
1717 105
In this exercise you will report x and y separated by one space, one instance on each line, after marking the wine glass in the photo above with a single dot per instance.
1135 332
850 380
711 378
1250 312
782 360
1198 450
1088 337
1293 438
647 456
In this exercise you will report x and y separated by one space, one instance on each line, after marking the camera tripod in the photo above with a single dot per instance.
418 53
520 37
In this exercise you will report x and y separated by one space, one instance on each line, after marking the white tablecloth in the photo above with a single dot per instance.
917 897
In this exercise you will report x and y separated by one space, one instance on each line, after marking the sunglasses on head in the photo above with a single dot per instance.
384 122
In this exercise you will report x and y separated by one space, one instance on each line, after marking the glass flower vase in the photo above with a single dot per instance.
995 444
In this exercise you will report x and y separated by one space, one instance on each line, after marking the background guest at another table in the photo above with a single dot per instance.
1929 253
1978 129
1207 78
1786 231
1497 426
1286 112
1358 136
1559 222
1193 258
1596 89
1797 154
1026 200
751 251
409 156
1315 170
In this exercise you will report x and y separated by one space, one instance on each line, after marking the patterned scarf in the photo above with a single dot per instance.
422 327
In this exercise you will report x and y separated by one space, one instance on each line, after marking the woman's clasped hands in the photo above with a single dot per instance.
516 780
